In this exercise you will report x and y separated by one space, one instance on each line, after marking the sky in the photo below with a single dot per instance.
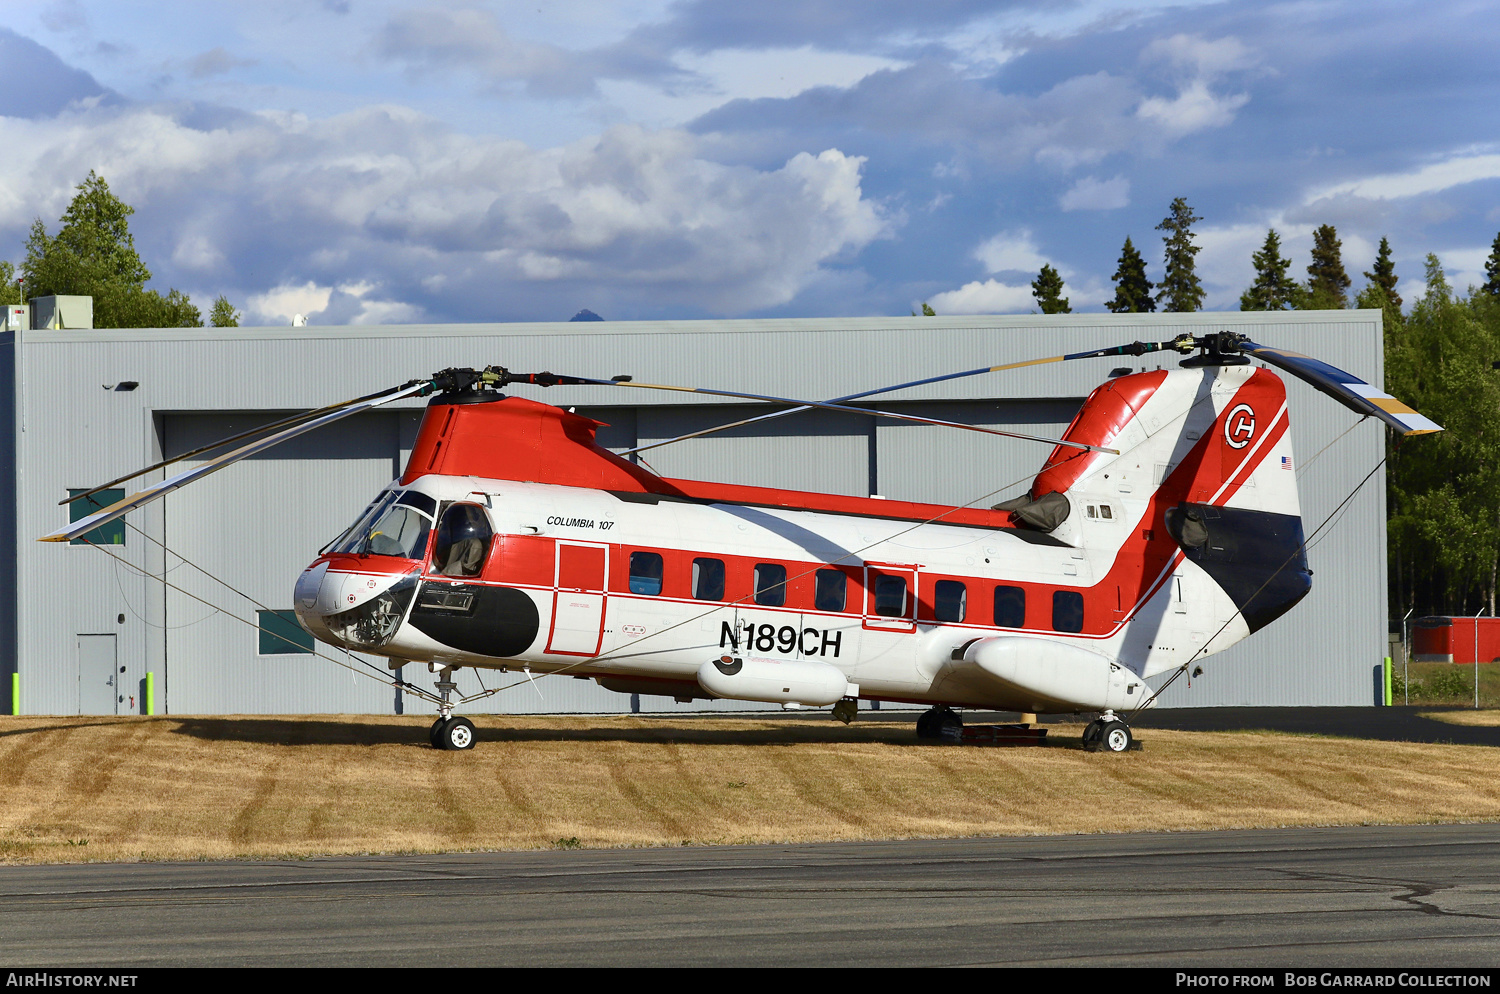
386 162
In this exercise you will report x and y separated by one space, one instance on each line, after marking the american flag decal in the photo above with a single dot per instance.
1286 462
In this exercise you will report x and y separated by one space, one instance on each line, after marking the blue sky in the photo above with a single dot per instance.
377 161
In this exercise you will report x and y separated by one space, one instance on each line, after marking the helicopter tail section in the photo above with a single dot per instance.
1212 537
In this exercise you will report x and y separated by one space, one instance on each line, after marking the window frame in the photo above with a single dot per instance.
631 575
699 570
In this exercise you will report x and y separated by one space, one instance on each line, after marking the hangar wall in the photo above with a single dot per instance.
257 524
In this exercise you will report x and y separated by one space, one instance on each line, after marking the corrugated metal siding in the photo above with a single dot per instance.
78 434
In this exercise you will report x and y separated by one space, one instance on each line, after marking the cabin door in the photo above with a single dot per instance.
578 599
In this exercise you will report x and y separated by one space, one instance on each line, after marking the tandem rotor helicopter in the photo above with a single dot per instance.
513 540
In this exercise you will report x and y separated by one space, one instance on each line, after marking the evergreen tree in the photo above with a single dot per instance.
1327 283
1491 284
1272 290
1180 290
93 254
224 315
1380 293
1132 288
1047 289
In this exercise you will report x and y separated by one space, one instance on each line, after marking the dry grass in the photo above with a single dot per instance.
186 788
1482 719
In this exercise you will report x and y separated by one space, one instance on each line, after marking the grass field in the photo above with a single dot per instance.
1446 683
209 788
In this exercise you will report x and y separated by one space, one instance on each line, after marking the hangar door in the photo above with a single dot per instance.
257 524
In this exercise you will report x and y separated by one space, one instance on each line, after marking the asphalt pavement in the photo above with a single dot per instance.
1357 897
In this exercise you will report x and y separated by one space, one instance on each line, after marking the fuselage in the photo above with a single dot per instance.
602 571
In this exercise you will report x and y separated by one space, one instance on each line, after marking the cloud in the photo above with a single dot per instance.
1459 169
49 84
1010 251
1090 194
436 40
989 297
637 220
216 61
1197 63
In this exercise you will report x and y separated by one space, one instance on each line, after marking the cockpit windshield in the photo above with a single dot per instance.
391 526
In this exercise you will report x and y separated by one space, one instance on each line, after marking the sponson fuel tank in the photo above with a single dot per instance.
793 682
1053 675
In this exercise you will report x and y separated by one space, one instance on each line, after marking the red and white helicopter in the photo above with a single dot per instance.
514 541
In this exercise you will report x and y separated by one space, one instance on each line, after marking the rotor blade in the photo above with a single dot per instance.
1136 348
557 379
121 508
283 423
1346 388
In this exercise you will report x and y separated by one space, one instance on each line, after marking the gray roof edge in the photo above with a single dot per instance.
740 326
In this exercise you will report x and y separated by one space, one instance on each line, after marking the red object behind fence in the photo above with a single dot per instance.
1452 640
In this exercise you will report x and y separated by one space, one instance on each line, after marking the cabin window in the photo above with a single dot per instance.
463 540
770 584
950 600
1104 512
1010 607
645 573
708 579
1067 611
890 596
830 590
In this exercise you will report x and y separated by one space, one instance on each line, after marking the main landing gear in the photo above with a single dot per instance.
1107 733
940 723
449 732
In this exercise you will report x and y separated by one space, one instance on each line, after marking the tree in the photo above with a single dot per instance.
1444 489
93 254
223 314
1180 290
927 311
1047 289
1380 291
1491 270
1272 290
1132 288
1327 283
10 291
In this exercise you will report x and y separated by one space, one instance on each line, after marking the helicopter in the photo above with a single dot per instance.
513 541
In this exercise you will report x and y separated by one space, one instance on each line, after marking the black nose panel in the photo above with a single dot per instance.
489 621
1259 558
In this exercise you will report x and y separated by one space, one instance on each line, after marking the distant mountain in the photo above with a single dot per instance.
585 315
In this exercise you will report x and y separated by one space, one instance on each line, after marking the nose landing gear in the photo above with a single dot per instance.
1107 734
449 732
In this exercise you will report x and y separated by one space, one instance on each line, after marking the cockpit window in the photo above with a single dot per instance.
420 501
355 536
463 541
401 531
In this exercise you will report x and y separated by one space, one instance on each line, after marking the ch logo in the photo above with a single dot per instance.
1239 426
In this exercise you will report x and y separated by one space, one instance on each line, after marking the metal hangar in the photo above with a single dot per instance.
152 630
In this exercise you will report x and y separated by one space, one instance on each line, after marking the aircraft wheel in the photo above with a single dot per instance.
1115 736
1093 734
939 723
435 734
458 734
